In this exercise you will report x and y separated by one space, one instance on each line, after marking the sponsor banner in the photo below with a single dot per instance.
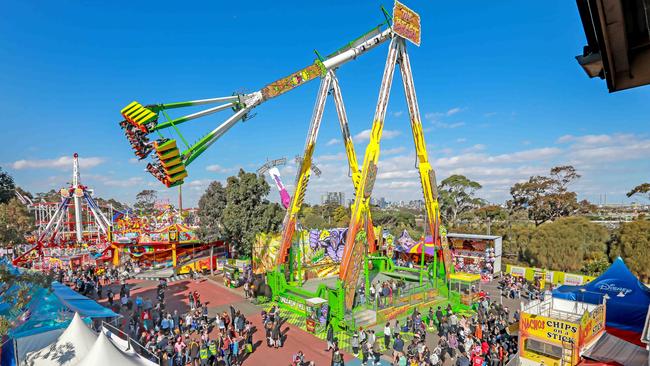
406 23
549 276
573 280
517 271
292 303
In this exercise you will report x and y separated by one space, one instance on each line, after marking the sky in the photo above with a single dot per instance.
501 95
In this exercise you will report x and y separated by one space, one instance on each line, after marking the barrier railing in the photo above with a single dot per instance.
125 342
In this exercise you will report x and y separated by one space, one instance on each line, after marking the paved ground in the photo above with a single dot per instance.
218 298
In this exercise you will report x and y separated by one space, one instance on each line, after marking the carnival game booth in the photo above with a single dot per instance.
474 253
468 285
555 332
627 299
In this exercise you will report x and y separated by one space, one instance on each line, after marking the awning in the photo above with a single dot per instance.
79 303
610 349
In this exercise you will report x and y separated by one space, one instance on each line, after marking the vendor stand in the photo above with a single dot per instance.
231 275
317 318
468 285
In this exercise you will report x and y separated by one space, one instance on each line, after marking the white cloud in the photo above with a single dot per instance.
134 160
333 142
123 183
386 134
393 151
476 147
448 125
397 114
461 140
63 162
453 111
437 115
216 168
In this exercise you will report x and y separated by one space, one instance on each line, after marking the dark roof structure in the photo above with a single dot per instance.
618 41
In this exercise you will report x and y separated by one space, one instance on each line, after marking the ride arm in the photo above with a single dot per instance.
352 261
169 167
302 177
427 174
353 164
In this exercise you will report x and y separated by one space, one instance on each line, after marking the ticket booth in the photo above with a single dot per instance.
315 315
468 285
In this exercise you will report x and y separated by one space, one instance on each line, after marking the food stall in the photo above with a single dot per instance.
317 318
468 285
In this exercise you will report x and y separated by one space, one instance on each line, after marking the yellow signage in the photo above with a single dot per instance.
547 329
406 23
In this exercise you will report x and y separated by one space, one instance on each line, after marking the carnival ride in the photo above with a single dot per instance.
169 164
161 239
76 225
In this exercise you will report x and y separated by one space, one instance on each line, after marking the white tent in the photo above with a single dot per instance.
104 352
68 349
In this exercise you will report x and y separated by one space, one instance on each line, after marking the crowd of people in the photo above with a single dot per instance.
481 339
194 338
516 287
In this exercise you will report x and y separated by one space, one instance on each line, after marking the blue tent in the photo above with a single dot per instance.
628 300
79 303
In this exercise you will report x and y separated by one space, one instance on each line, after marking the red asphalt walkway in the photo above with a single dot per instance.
219 298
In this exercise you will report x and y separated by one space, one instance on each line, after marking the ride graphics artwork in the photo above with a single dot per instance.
331 241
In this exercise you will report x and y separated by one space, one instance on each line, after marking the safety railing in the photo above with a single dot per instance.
125 342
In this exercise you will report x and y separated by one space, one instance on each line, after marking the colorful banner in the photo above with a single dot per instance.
517 271
406 23
292 81
573 280
592 325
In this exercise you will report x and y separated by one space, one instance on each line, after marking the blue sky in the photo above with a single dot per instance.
500 92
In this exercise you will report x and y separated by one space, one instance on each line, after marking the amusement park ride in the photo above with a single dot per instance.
169 164
76 219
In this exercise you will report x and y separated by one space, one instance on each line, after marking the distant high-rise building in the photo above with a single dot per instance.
337 198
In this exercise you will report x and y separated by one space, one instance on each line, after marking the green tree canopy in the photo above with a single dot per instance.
631 241
566 244
7 187
457 196
211 206
642 189
242 215
15 222
145 201
548 197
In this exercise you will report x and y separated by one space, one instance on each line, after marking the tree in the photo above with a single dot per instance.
456 194
643 188
566 244
631 242
15 222
211 206
341 216
7 187
547 197
145 200
247 212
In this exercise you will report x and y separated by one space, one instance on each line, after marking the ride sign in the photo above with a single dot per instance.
406 23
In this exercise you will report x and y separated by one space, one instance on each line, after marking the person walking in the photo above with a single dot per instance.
387 335
330 337
354 342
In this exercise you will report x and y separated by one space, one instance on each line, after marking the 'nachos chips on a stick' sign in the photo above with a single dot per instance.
406 23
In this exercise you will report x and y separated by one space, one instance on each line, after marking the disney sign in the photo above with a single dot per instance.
608 286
